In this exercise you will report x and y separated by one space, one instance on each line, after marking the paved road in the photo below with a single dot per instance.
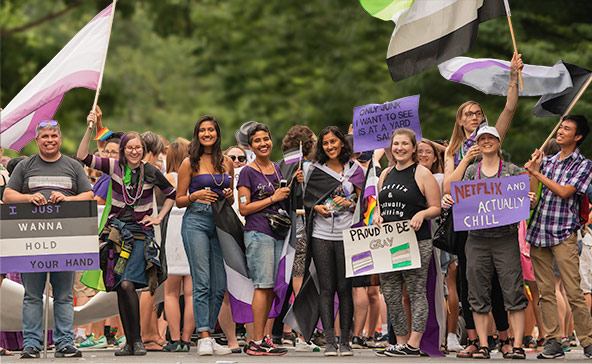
361 356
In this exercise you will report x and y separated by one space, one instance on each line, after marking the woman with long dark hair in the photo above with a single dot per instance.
203 177
332 190
130 222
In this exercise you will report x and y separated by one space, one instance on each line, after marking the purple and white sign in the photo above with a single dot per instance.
487 203
374 123
48 238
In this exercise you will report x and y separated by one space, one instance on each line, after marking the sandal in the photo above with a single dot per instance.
483 353
444 349
467 352
540 342
502 343
529 342
152 345
518 353
5 352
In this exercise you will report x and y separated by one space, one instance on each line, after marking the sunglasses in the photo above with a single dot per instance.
46 123
241 158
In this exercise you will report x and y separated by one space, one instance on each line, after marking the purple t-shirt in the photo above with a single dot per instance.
101 187
261 189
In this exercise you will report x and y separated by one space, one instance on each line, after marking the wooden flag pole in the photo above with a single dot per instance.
568 110
99 85
515 50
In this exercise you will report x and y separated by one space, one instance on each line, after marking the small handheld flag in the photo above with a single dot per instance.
293 156
103 134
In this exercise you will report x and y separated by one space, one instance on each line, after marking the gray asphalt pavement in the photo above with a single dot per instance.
361 356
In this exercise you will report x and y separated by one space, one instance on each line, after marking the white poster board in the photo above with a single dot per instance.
373 249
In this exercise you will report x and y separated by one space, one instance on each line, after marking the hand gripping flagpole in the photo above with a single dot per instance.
568 110
100 83
509 15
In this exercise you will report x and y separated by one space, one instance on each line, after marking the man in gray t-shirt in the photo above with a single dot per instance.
48 177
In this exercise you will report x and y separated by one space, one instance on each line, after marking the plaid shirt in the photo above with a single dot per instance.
555 218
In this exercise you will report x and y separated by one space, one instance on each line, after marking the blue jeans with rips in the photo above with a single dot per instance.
63 308
206 264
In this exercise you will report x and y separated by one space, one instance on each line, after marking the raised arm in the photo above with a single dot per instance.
452 174
83 147
503 122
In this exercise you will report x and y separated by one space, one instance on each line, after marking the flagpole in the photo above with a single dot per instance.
568 110
100 83
300 159
509 15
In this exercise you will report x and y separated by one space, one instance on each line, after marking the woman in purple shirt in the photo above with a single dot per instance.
204 176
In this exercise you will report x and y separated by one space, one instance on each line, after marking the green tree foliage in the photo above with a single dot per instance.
279 62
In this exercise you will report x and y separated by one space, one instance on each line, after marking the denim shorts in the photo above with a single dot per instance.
263 257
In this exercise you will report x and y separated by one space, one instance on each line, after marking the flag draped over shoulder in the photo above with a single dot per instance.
556 103
240 287
78 64
491 76
435 31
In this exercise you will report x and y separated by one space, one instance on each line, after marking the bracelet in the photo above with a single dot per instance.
271 199
191 200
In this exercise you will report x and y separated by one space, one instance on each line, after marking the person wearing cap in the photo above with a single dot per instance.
48 177
553 228
494 250
242 139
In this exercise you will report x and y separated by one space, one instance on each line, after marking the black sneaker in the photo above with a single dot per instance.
358 343
139 348
126 350
402 350
588 351
553 350
287 339
30 352
345 350
264 349
68 352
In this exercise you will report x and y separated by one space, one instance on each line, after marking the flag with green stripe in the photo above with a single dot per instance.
387 9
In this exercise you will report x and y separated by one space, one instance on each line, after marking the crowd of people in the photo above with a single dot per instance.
160 201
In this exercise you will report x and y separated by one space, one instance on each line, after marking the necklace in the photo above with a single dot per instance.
133 200
499 171
213 178
264 176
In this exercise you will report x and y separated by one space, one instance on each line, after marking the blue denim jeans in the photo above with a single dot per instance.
63 308
206 264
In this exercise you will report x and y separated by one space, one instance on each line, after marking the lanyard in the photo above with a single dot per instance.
499 171
264 176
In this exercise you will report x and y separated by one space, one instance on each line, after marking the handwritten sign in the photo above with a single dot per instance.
487 203
48 238
373 249
374 123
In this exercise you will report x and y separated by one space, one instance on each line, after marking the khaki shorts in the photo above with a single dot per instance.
80 290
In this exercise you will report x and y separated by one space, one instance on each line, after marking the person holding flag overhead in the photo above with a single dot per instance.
129 230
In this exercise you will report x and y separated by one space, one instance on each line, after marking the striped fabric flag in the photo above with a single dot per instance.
370 193
103 134
78 64
556 104
435 31
491 76
394 10
293 156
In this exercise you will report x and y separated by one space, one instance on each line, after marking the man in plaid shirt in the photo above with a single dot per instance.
553 231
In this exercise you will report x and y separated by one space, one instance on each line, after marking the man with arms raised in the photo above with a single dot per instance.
48 177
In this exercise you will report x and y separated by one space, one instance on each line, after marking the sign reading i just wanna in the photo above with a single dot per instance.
49 238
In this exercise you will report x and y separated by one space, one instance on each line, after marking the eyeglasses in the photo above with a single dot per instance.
46 123
131 149
241 158
470 114
426 152
111 152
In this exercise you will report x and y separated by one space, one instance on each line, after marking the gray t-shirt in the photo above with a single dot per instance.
65 175
508 170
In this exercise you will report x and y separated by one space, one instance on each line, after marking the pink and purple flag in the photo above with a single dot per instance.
78 64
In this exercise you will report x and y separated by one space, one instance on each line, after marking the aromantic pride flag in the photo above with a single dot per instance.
78 64
394 10
435 31
491 76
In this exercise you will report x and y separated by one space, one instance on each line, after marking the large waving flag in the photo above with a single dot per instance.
78 64
556 103
491 76
435 31
394 10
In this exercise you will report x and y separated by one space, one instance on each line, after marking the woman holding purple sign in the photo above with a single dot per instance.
494 250
407 191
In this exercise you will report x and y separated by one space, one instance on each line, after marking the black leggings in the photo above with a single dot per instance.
129 311
329 261
500 316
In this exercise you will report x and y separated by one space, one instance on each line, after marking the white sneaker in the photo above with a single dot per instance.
452 343
204 347
219 349
302 345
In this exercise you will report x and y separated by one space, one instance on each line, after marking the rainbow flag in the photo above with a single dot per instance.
103 134
370 210
370 193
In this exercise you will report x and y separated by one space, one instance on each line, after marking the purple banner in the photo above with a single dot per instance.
49 263
487 203
374 123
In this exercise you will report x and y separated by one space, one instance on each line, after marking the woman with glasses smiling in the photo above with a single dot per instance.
129 231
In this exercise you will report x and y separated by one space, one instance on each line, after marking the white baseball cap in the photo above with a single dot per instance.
488 130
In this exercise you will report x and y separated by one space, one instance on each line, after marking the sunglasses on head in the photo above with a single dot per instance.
47 123
241 158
